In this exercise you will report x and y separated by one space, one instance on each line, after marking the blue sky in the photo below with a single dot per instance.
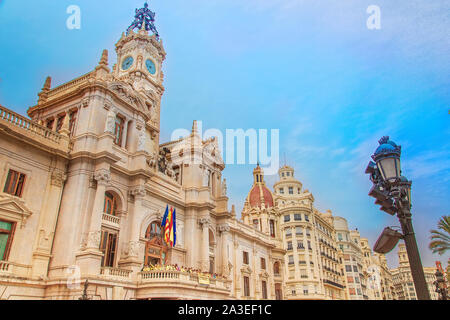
309 68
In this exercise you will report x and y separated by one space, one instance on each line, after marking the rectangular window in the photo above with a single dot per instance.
287 218
246 287
352 291
72 121
291 259
298 231
291 190
245 257
118 131
348 268
264 290
14 183
50 124
6 235
263 264
355 269
289 245
60 122
340 237
288 232
350 279
272 228
256 223
281 190
306 218
297 217
300 245
108 246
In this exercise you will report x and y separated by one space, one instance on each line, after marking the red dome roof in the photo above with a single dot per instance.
254 197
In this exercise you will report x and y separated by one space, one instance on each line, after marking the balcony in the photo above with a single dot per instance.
116 273
111 221
179 278
333 283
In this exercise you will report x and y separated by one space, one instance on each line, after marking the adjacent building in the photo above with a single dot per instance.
402 279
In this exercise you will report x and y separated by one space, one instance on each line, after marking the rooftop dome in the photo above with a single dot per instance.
259 193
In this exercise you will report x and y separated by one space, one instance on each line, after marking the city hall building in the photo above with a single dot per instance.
85 181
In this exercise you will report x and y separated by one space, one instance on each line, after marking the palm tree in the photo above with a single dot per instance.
441 239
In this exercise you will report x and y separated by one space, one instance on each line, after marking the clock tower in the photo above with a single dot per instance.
140 56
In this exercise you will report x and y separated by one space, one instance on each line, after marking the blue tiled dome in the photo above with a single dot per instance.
386 147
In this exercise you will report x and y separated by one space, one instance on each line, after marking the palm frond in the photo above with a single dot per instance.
441 239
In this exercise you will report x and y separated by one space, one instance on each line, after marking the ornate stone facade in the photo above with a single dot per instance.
97 182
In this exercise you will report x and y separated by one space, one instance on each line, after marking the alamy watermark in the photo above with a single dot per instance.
239 147
74 19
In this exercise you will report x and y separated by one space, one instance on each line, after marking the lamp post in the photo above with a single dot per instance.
441 287
85 295
392 192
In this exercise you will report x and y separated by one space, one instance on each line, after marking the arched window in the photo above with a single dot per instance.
154 231
110 206
155 248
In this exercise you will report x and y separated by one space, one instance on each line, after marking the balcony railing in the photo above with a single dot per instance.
111 220
5 267
28 125
154 276
115 272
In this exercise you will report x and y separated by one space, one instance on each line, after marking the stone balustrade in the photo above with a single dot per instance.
116 272
185 278
30 126
108 218
5 267
71 84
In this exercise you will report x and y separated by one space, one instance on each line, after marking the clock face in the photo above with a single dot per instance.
150 66
127 63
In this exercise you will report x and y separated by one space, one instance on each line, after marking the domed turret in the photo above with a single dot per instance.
259 194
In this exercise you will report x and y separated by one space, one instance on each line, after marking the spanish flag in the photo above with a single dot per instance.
169 225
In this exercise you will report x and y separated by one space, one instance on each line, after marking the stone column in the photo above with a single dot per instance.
89 259
205 222
47 224
224 230
133 255
103 178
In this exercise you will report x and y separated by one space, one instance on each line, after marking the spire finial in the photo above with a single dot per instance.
144 19
48 83
194 127
104 59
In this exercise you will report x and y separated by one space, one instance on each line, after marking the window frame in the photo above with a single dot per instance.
113 204
245 257
246 286
8 183
108 246
10 234
119 128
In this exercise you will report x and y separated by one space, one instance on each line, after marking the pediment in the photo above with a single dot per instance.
14 209
127 93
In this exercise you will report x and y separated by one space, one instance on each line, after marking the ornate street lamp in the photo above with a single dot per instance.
392 192
441 287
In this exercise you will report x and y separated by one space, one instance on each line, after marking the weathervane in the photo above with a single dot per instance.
144 15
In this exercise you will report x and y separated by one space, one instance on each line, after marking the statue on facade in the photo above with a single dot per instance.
142 139
110 120
144 17
224 188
